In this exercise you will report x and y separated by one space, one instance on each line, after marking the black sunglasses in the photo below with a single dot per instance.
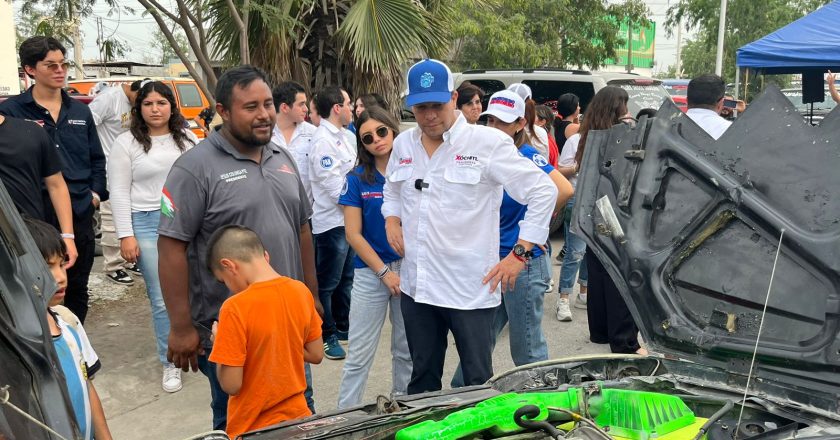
381 132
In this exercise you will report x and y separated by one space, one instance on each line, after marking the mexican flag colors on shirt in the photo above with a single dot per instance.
167 206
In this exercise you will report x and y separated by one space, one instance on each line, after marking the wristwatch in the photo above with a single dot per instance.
521 254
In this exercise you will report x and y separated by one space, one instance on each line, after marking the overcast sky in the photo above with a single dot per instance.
138 32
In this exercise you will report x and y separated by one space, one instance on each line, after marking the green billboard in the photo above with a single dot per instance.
642 41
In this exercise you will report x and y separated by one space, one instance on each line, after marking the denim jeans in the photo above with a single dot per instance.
219 399
145 224
522 308
573 260
371 303
334 264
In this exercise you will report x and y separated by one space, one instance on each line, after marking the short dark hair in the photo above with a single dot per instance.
649 112
374 100
135 85
35 49
567 104
46 238
235 242
240 77
327 98
705 91
466 92
285 93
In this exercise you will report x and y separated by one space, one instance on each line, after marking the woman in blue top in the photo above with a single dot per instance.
376 283
522 307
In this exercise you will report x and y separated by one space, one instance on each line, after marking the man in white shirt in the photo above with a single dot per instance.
441 205
330 159
705 102
112 114
291 131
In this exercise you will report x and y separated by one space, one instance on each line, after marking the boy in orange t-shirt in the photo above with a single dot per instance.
266 331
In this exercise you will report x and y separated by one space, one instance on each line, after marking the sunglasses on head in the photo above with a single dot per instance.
54 66
381 132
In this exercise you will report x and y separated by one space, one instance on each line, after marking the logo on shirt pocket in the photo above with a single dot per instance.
327 162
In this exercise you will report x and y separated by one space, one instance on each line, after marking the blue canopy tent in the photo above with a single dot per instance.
808 44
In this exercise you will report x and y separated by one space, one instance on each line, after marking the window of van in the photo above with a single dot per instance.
547 91
188 95
489 86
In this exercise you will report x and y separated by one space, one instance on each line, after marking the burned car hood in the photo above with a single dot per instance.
689 228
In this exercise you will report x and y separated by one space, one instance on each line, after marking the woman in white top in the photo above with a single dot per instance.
137 168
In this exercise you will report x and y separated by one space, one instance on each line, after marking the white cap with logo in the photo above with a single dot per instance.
506 106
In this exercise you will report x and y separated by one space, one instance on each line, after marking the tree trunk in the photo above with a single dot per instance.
78 48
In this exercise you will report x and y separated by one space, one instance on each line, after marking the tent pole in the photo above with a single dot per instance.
746 83
737 80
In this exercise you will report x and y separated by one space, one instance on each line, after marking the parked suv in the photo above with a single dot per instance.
548 84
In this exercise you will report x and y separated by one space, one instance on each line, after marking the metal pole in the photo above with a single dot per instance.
679 50
629 46
721 30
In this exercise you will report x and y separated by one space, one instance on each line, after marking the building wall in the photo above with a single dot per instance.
9 79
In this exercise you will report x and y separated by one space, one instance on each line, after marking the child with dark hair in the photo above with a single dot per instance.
78 361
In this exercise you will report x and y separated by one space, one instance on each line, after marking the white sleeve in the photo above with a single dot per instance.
391 201
119 181
323 175
567 155
91 358
102 107
541 142
528 185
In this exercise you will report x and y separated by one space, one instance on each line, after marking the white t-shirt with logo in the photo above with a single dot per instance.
112 114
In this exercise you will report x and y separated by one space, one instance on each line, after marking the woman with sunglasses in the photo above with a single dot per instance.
376 283
137 168
609 318
522 307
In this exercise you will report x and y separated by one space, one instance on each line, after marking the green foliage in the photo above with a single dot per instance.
746 21
34 21
162 46
540 33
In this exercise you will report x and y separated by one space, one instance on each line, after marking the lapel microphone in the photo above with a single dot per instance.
420 184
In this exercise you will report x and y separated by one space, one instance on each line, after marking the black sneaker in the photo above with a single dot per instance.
133 268
120 277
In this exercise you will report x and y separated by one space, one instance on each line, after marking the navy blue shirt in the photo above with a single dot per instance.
74 135
360 194
512 212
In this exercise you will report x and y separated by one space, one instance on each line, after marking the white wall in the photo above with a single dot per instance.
9 81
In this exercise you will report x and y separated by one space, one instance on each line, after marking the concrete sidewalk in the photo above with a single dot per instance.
120 329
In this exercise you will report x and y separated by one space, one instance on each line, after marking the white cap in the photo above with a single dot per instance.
522 90
505 106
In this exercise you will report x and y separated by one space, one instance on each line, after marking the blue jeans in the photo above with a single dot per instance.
145 224
334 264
219 399
371 303
522 308
573 260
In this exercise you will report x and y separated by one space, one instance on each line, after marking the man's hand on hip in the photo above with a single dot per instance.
504 273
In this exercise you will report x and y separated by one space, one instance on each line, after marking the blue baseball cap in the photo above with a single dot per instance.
429 81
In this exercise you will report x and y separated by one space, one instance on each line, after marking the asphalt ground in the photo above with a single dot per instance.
119 325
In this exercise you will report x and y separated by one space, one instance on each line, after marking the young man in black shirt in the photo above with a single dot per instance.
28 158
70 126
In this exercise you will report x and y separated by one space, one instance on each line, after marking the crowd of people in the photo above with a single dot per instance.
302 222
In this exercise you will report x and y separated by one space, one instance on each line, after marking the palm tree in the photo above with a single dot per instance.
362 45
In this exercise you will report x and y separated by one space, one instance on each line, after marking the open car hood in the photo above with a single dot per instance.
688 228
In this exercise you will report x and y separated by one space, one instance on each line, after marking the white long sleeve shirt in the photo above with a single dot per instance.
136 178
567 157
451 227
330 159
300 147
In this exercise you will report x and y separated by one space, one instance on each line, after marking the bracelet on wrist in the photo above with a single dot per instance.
522 259
381 274
67 235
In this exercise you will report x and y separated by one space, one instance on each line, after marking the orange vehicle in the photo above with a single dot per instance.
190 98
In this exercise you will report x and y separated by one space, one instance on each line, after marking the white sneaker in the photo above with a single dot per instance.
581 301
563 311
550 286
171 378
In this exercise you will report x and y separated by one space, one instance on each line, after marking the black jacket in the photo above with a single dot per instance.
83 162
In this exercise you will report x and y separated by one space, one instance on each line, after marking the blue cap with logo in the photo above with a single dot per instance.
429 81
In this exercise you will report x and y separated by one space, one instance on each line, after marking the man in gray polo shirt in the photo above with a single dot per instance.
235 176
